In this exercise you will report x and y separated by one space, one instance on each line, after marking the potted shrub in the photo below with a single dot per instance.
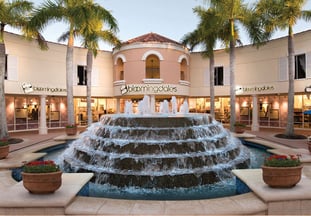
239 127
282 171
41 177
71 129
4 148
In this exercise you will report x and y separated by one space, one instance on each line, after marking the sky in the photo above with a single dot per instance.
170 18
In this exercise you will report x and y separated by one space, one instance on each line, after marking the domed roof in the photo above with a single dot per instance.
151 37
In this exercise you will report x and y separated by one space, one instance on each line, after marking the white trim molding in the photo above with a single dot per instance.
152 52
121 56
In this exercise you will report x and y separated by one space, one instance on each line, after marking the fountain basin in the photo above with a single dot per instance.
156 151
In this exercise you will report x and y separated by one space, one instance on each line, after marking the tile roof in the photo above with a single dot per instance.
151 37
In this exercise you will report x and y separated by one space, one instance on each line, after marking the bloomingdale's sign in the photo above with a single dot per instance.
148 89
28 88
248 89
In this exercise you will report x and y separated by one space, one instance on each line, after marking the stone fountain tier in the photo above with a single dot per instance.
159 151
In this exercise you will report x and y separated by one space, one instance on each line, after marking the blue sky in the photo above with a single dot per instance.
170 18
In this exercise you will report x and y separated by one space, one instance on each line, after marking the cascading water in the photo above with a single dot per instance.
156 151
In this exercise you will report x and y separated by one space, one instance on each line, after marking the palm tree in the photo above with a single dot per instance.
231 14
284 14
205 35
14 13
72 13
92 31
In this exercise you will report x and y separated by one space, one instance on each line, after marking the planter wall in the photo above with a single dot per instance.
282 177
42 183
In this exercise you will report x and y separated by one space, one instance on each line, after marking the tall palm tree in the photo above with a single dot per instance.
72 13
92 31
233 13
284 14
14 13
205 35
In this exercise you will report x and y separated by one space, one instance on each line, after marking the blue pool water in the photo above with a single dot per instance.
228 187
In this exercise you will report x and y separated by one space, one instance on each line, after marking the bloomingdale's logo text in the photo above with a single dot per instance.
258 88
148 89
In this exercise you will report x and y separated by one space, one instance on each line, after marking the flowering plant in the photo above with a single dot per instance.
282 161
4 142
40 167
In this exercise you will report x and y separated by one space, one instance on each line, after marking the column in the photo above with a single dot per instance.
118 105
255 125
42 123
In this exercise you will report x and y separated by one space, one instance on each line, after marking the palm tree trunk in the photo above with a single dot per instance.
232 78
291 76
4 125
232 87
69 85
89 66
212 91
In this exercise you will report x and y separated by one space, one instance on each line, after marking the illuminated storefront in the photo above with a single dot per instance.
160 68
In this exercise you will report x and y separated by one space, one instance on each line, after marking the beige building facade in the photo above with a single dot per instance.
159 67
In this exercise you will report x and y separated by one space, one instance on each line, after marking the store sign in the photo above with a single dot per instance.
148 89
48 89
264 88
28 88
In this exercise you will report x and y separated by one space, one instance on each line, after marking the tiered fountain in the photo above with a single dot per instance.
163 150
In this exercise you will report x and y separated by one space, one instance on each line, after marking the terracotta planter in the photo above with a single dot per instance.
281 177
71 131
42 183
4 151
239 129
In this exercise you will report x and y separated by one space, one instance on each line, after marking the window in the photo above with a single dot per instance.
82 75
120 69
182 75
152 67
218 76
300 66
183 69
121 75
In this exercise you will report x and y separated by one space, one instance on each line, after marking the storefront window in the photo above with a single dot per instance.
244 109
263 111
10 112
26 113
99 106
307 106
274 110
56 112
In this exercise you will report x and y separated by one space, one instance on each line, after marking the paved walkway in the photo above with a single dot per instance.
269 135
